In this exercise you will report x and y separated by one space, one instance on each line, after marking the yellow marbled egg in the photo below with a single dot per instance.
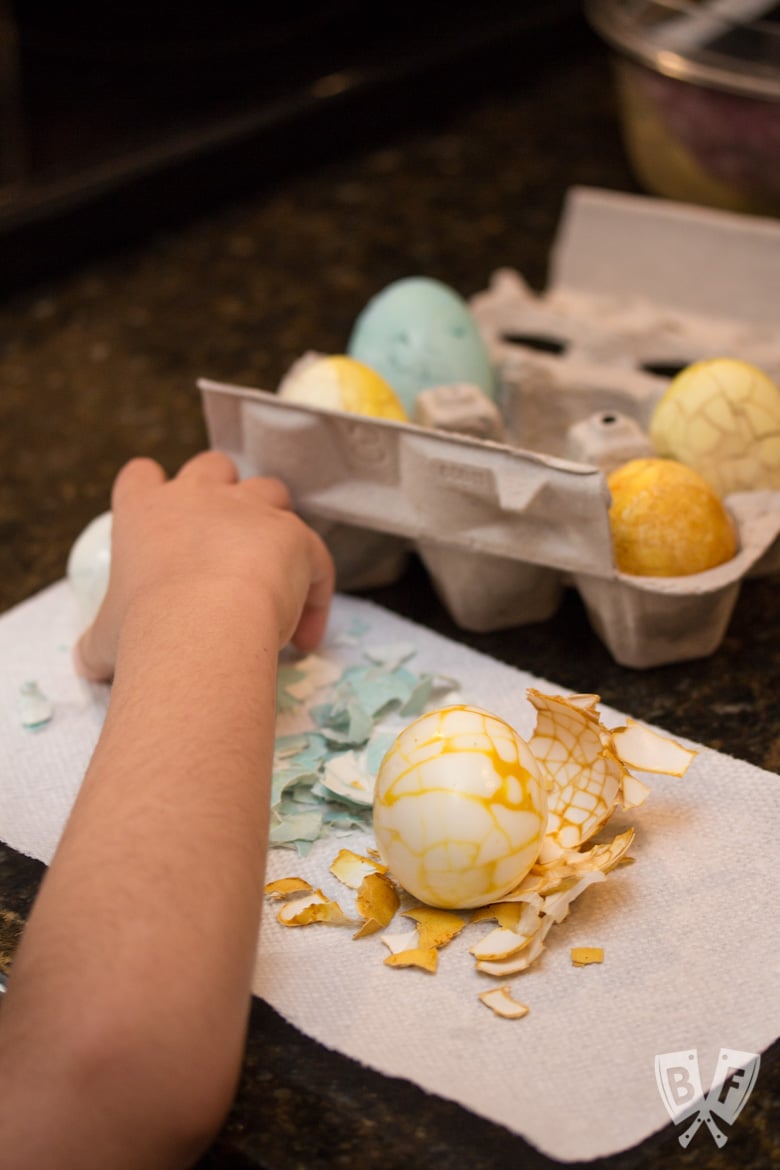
722 418
339 382
460 808
666 520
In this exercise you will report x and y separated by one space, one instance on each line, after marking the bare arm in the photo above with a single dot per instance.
123 1027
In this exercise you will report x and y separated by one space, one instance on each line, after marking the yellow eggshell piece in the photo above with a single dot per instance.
501 1001
666 520
584 956
722 418
342 383
460 808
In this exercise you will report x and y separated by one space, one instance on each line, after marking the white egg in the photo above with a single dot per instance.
89 563
460 808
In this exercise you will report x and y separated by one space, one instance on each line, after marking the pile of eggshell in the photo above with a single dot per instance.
478 825
416 355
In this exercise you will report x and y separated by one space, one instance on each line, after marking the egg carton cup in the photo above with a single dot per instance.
503 528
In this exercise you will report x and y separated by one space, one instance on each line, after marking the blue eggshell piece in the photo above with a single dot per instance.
419 333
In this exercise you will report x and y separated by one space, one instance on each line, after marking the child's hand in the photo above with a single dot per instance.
203 530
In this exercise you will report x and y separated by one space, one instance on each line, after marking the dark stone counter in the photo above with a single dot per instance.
100 364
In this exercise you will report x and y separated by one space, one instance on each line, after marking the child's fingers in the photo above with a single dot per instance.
209 467
137 475
314 617
91 658
270 490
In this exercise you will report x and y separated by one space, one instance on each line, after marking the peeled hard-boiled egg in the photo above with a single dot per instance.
460 808
419 333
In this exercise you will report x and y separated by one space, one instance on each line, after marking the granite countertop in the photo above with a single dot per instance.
100 363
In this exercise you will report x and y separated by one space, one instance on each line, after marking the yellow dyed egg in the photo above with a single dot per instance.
666 520
722 418
460 808
342 383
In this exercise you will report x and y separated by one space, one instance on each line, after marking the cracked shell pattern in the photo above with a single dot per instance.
721 417
586 776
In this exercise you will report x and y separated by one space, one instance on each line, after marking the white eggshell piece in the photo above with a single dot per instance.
35 708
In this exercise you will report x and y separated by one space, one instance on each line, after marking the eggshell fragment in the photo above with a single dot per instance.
500 1000
520 961
284 887
585 782
527 889
406 940
606 855
344 777
377 902
500 944
351 868
311 908
435 928
557 905
634 792
425 957
640 747
509 914
570 864
35 708
584 956
588 767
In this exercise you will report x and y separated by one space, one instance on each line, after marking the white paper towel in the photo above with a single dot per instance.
690 932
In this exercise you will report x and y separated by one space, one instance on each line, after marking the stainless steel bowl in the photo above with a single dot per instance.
698 83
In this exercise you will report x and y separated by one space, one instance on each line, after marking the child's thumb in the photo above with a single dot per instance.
91 660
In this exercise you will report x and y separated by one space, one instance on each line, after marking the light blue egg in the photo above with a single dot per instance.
418 333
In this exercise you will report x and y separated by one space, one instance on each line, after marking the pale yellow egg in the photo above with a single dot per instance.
666 520
722 418
342 383
460 808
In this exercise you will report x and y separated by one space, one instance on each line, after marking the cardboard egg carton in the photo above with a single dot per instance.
504 527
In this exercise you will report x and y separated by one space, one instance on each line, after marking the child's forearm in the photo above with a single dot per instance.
143 937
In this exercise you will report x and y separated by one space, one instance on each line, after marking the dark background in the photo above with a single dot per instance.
117 122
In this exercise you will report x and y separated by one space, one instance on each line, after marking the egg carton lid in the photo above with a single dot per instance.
639 287
689 259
